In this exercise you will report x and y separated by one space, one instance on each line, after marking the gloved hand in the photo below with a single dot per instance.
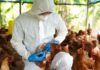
55 41
48 46
37 57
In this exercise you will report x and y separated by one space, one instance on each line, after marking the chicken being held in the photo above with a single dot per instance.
45 64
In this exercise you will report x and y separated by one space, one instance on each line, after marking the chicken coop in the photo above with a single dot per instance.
79 15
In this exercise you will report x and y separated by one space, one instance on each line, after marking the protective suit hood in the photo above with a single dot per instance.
41 6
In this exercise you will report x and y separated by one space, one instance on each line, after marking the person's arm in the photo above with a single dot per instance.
61 30
17 40
61 34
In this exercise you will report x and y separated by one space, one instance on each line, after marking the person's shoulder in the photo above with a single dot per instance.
21 18
66 58
23 15
61 54
57 16
65 54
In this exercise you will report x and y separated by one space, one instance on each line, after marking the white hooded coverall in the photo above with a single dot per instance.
30 31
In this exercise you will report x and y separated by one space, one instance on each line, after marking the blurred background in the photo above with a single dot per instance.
76 13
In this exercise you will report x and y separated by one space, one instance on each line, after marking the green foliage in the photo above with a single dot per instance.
66 11
70 18
56 1
3 14
77 1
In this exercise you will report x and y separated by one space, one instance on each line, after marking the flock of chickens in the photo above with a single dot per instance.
9 59
82 46
85 49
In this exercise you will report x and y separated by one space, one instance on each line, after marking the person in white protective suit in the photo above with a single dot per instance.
62 61
35 28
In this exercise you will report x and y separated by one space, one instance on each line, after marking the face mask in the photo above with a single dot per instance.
41 17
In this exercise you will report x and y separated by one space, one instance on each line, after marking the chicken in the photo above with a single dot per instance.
45 64
81 62
96 56
89 30
5 65
9 57
98 38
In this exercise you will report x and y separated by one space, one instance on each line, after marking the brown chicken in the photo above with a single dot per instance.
98 38
45 64
9 58
81 62
96 56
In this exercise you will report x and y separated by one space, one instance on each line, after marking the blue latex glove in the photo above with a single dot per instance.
48 46
55 41
42 54
37 57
